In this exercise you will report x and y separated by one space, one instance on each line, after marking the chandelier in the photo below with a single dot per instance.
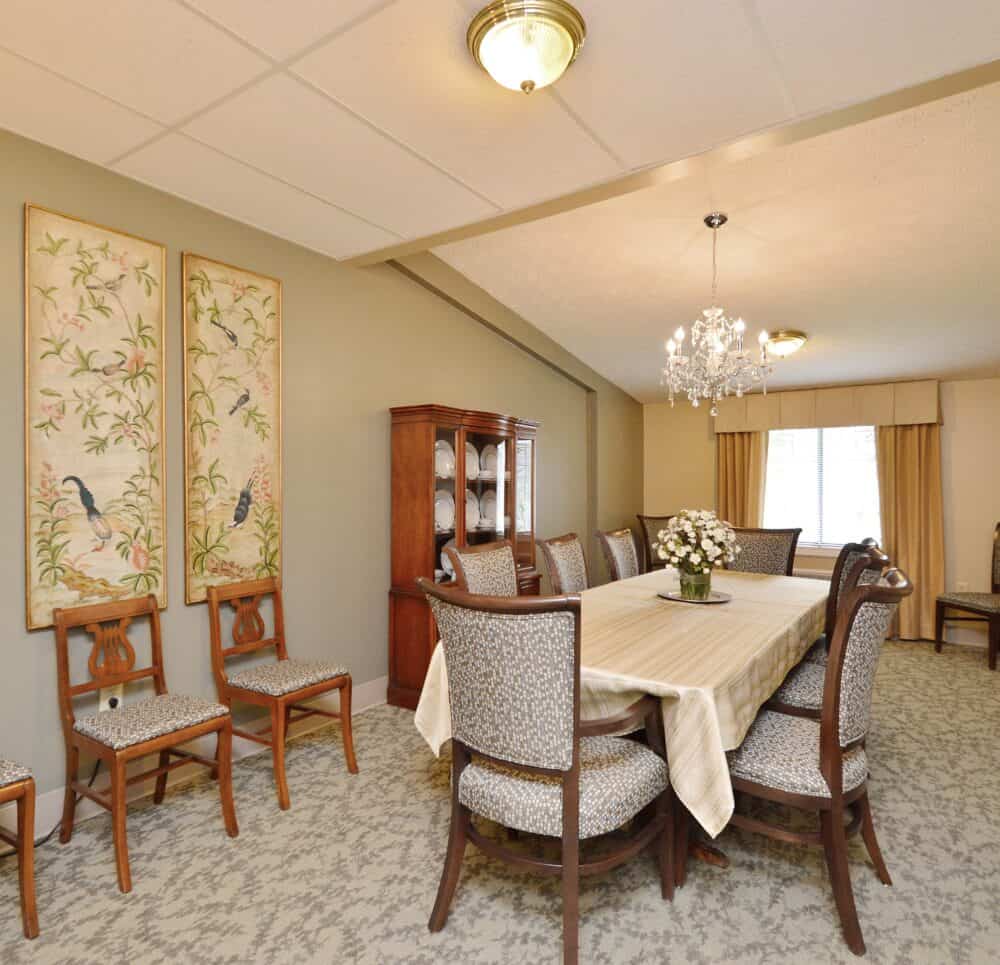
716 365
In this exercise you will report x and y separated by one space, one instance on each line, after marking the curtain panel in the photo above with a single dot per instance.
741 467
909 482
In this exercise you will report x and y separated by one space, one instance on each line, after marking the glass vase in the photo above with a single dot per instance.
696 586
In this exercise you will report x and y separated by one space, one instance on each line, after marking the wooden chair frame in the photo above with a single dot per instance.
657 827
249 637
112 662
797 531
989 617
455 554
23 842
832 810
609 557
545 545
647 560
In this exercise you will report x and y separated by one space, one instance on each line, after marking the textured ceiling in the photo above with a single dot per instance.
881 241
351 125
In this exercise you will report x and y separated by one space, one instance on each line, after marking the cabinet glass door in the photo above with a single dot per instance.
446 506
488 487
524 502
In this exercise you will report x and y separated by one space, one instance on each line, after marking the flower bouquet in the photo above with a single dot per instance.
695 541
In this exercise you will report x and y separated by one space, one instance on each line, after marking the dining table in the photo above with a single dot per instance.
713 665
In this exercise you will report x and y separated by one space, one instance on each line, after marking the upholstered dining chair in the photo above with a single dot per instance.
620 553
650 527
822 765
765 551
984 607
801 692
487 569
155 724
567 563
280 685
17 784
521 756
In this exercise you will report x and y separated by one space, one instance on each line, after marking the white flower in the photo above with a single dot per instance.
695 558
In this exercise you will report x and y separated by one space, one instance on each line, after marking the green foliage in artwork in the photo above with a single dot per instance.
207 546
50 539
265 521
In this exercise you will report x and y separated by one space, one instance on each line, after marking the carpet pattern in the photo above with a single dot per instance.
350 873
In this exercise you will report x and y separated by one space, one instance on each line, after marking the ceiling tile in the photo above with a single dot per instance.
66 116
154 56
832 54
195 172
285 128
282 29
429 93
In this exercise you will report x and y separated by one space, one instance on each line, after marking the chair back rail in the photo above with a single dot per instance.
486 569
849 554
566 562
249 628
995 586
765 550
620 553
650 527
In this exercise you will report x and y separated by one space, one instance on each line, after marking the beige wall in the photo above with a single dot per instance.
356 341
679 471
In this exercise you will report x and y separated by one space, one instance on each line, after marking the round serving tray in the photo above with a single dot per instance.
713 597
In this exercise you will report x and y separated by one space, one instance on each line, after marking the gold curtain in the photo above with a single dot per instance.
909 482
741 467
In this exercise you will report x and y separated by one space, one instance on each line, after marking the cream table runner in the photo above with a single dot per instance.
713 665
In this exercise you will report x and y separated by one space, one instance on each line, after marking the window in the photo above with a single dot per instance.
824 480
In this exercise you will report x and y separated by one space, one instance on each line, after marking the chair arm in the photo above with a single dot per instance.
634 716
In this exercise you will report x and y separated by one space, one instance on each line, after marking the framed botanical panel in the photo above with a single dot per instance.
93 400
232 417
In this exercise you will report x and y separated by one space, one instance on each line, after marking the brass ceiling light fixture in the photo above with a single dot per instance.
526 44
787 341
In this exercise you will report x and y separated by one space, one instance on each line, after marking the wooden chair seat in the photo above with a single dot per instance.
145 720
286 676
618 778
11 773
17 786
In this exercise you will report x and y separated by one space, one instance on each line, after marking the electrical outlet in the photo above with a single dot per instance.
111 697
962 587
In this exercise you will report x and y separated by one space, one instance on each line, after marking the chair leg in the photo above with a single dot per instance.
994 643
938 627
224 770
161 779
452 865
835 847
665 808
345 727
871 842
118 814
69 795
681 834
278 753
571 890
26 859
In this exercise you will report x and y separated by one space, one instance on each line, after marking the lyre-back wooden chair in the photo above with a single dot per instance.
984 607
650 527
279 686
487 569
567 563
17 784
522 757
770 551
150 725
821 766
620 553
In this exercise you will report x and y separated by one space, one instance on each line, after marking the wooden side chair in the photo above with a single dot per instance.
486 569
822 766
279 686
567 563
984 607
769 551
521 756
620 553
150 725
17 784
801 692
650 527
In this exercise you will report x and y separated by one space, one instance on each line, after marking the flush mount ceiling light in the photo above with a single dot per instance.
526 44
786 341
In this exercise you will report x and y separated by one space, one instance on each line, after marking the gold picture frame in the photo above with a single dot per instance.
233 485
94 430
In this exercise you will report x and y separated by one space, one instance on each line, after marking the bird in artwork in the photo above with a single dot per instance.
240 402
112 286
111 368
229 333
100 526
243 504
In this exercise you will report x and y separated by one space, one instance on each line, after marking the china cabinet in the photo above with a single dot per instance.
460 477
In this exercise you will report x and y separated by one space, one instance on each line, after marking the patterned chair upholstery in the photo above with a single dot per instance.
285 676
486 570
620 553
770 551
145 720
650 527
11 772
566 562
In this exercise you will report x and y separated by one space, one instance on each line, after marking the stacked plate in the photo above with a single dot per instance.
471 510
488 509
471 462
444 511
444 460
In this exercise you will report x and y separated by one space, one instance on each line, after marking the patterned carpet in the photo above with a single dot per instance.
350 873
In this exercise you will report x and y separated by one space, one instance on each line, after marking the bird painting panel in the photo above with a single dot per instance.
94 316
232 378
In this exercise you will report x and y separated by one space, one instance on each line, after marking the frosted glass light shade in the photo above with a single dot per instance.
526 45
786 342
